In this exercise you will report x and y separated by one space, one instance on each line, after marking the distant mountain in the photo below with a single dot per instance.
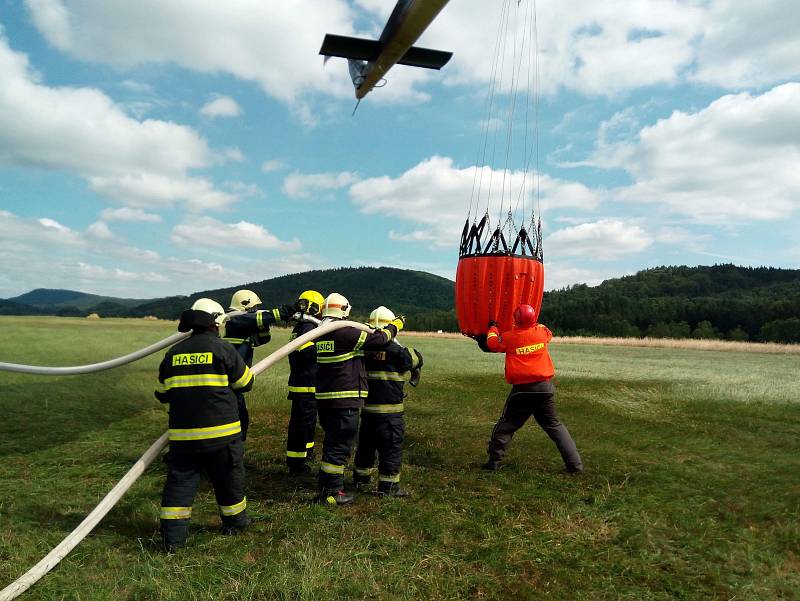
49 299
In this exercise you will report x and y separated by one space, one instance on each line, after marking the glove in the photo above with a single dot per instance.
301 306
286 312
492 323
399 322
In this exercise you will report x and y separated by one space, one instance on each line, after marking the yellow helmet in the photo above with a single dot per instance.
336 305
380 317
211 307
243 300
311 302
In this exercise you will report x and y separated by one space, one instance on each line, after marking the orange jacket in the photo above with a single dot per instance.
527 359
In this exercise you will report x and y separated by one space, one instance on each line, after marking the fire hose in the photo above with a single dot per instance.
72 540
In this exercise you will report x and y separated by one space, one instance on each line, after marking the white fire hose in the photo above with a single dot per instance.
30 577
41 370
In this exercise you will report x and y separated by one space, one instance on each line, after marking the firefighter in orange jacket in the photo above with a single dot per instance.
529 370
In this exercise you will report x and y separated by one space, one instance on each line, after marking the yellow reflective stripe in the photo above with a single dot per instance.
260 320
302 388
388 334
195 380
392 376
276 314
395 478
235 341
492 335
175 513
386 408
414 357
363 471
228 510
305 346
205 433
342 394
340 358
361 339
310 445
330 468
244 380
160 386
298 454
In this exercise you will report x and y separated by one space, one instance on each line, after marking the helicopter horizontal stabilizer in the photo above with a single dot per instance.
369 50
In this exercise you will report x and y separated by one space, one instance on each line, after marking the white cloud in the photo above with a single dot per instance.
210 232
87 271
100 230
130 215
434 195
603 48
735 160
81 130
223 106
305 185
746 44
271 43
603 240
44 252
272 166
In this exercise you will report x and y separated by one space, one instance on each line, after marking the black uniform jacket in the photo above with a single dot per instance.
386 375
341 377
250 330
197 378
303 362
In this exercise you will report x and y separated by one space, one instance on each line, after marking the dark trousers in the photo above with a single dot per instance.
340 426
381 433
537 399
244 414
225 469
302 426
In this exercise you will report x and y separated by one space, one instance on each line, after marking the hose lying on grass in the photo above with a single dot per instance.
50 561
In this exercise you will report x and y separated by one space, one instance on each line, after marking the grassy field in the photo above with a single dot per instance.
692 488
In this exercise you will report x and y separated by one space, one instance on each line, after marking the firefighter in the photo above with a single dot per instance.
249 330
341 388
382 422
199 378
529 370
302 380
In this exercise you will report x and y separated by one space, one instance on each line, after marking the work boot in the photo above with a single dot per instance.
333 497
229 528
299 469
492 465
391 489
574 469
361 482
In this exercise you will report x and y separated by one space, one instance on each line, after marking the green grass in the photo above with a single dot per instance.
692 489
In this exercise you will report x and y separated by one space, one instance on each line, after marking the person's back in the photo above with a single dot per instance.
527 357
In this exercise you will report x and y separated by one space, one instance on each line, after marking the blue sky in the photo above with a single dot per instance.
152 148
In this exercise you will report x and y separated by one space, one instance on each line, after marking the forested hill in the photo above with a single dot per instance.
425 298
403 290
723 301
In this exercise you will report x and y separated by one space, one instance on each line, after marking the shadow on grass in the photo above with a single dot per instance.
40 415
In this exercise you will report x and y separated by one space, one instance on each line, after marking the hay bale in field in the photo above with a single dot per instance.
150 318
93 316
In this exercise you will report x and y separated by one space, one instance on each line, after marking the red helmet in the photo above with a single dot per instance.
524 317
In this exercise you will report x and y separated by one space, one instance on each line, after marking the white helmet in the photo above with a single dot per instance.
211 307
380 317
243 300
336 306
